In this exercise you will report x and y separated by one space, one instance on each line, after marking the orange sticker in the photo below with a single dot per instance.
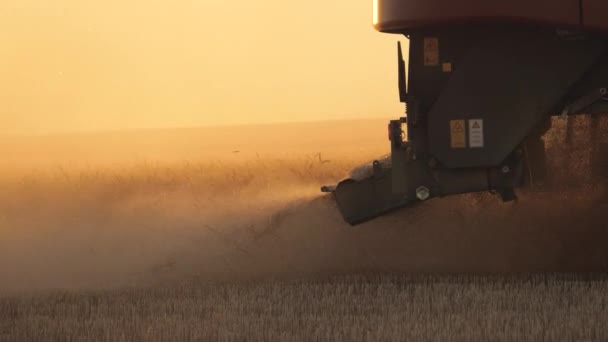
458 134
431 51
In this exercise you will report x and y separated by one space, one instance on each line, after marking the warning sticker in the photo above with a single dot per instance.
476 139
446 67
458 134
431 51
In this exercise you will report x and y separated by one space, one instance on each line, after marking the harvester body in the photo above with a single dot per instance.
484 79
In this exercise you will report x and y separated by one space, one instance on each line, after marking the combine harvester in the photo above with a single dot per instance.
485 77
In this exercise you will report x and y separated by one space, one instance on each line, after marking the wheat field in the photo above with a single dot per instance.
372 308
211 235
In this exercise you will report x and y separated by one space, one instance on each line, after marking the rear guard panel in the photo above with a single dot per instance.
366 199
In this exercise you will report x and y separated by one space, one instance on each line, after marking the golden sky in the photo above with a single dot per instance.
72 65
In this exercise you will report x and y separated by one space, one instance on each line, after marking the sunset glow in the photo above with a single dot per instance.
74 65
375 12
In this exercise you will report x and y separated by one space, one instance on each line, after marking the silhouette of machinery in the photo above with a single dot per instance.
484 79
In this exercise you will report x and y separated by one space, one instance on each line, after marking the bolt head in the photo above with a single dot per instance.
423 193
506 169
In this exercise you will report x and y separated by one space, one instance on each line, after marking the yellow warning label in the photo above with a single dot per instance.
458 134
431 52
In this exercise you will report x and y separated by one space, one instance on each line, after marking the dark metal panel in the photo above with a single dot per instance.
426 83
595 79
512 81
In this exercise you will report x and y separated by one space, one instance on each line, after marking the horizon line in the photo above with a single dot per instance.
219 125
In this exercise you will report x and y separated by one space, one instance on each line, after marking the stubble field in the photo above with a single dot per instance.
215 234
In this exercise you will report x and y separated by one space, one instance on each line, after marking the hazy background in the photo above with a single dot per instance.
141 200
74 65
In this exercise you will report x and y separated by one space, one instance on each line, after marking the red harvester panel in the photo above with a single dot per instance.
595 14
396 15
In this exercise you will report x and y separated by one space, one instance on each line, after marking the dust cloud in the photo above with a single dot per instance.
252 217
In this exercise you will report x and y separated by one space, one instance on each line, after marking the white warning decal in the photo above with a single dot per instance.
476 139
